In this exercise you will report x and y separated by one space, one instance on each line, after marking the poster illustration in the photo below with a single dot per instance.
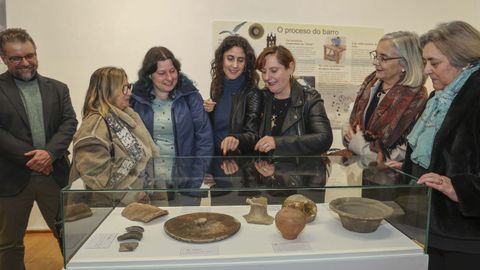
333 59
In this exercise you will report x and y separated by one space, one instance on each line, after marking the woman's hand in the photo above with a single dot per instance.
230 143
209 105
265 144
229 167
209 180
394 164
350 133
440 183
264 168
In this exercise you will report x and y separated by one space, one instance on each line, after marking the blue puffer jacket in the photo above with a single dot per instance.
191 124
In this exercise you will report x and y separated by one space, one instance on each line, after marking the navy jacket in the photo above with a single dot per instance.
191 125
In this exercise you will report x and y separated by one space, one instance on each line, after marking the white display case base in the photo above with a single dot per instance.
324 244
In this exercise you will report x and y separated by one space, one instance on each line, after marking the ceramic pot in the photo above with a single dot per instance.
258 211
290 222
303 204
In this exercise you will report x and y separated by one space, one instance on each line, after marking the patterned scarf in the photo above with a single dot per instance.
394 114
423 134
134 151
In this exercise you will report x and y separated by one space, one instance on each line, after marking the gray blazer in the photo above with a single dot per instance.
15 135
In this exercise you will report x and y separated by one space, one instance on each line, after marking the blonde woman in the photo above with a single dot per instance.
110 131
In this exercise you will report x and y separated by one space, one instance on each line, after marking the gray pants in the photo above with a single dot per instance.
14 214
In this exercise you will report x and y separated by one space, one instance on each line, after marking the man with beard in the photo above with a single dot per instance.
37 123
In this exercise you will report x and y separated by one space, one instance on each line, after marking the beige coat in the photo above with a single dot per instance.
92 150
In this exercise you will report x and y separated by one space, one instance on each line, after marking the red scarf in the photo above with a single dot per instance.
394 116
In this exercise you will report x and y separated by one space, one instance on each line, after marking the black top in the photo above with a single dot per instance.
279 111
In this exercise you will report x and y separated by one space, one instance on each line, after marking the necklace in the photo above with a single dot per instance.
382 91
277 112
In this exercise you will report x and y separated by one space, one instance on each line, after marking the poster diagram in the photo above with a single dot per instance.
333 59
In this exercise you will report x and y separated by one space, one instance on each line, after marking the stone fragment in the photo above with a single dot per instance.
76 211
130 236
143 212
135 229
128 246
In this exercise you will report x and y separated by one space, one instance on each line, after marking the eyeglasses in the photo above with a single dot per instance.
127 87
380 58
18 59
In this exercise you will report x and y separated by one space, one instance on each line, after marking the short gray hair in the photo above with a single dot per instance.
14 35
457 40
408 47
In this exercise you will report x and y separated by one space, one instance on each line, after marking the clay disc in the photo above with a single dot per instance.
203 227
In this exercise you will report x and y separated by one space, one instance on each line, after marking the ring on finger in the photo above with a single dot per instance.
442 179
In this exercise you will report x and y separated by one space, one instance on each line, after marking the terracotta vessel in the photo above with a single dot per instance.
290 222
302 203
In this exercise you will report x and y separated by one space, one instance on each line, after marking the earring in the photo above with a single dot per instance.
466 67
403 70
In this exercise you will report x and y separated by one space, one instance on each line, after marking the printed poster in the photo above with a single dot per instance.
332 59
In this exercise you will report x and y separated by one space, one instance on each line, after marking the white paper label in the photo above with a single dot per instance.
100 241
289 247
199 250
196 210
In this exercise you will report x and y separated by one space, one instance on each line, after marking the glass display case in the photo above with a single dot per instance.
94 215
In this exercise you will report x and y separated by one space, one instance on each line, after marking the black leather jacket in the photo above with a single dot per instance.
306 129
245 117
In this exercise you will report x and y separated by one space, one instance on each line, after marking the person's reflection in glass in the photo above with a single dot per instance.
282 177
182 186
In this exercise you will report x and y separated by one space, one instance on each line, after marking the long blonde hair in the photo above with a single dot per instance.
103 83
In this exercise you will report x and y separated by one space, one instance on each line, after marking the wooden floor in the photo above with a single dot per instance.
42 252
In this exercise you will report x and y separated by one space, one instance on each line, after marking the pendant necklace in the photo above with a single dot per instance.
280 111
382 91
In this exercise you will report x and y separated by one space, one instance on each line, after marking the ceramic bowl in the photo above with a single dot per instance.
360 214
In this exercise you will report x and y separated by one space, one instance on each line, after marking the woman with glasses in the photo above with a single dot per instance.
389 99
294 118
235 104
444 145
111 136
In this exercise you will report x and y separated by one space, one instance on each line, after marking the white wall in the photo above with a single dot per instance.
75 37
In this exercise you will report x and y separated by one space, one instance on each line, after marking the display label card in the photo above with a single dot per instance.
289 247
101 241
196 209
199 250
274 208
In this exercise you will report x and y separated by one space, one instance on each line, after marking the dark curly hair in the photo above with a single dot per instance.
149 66
251 76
